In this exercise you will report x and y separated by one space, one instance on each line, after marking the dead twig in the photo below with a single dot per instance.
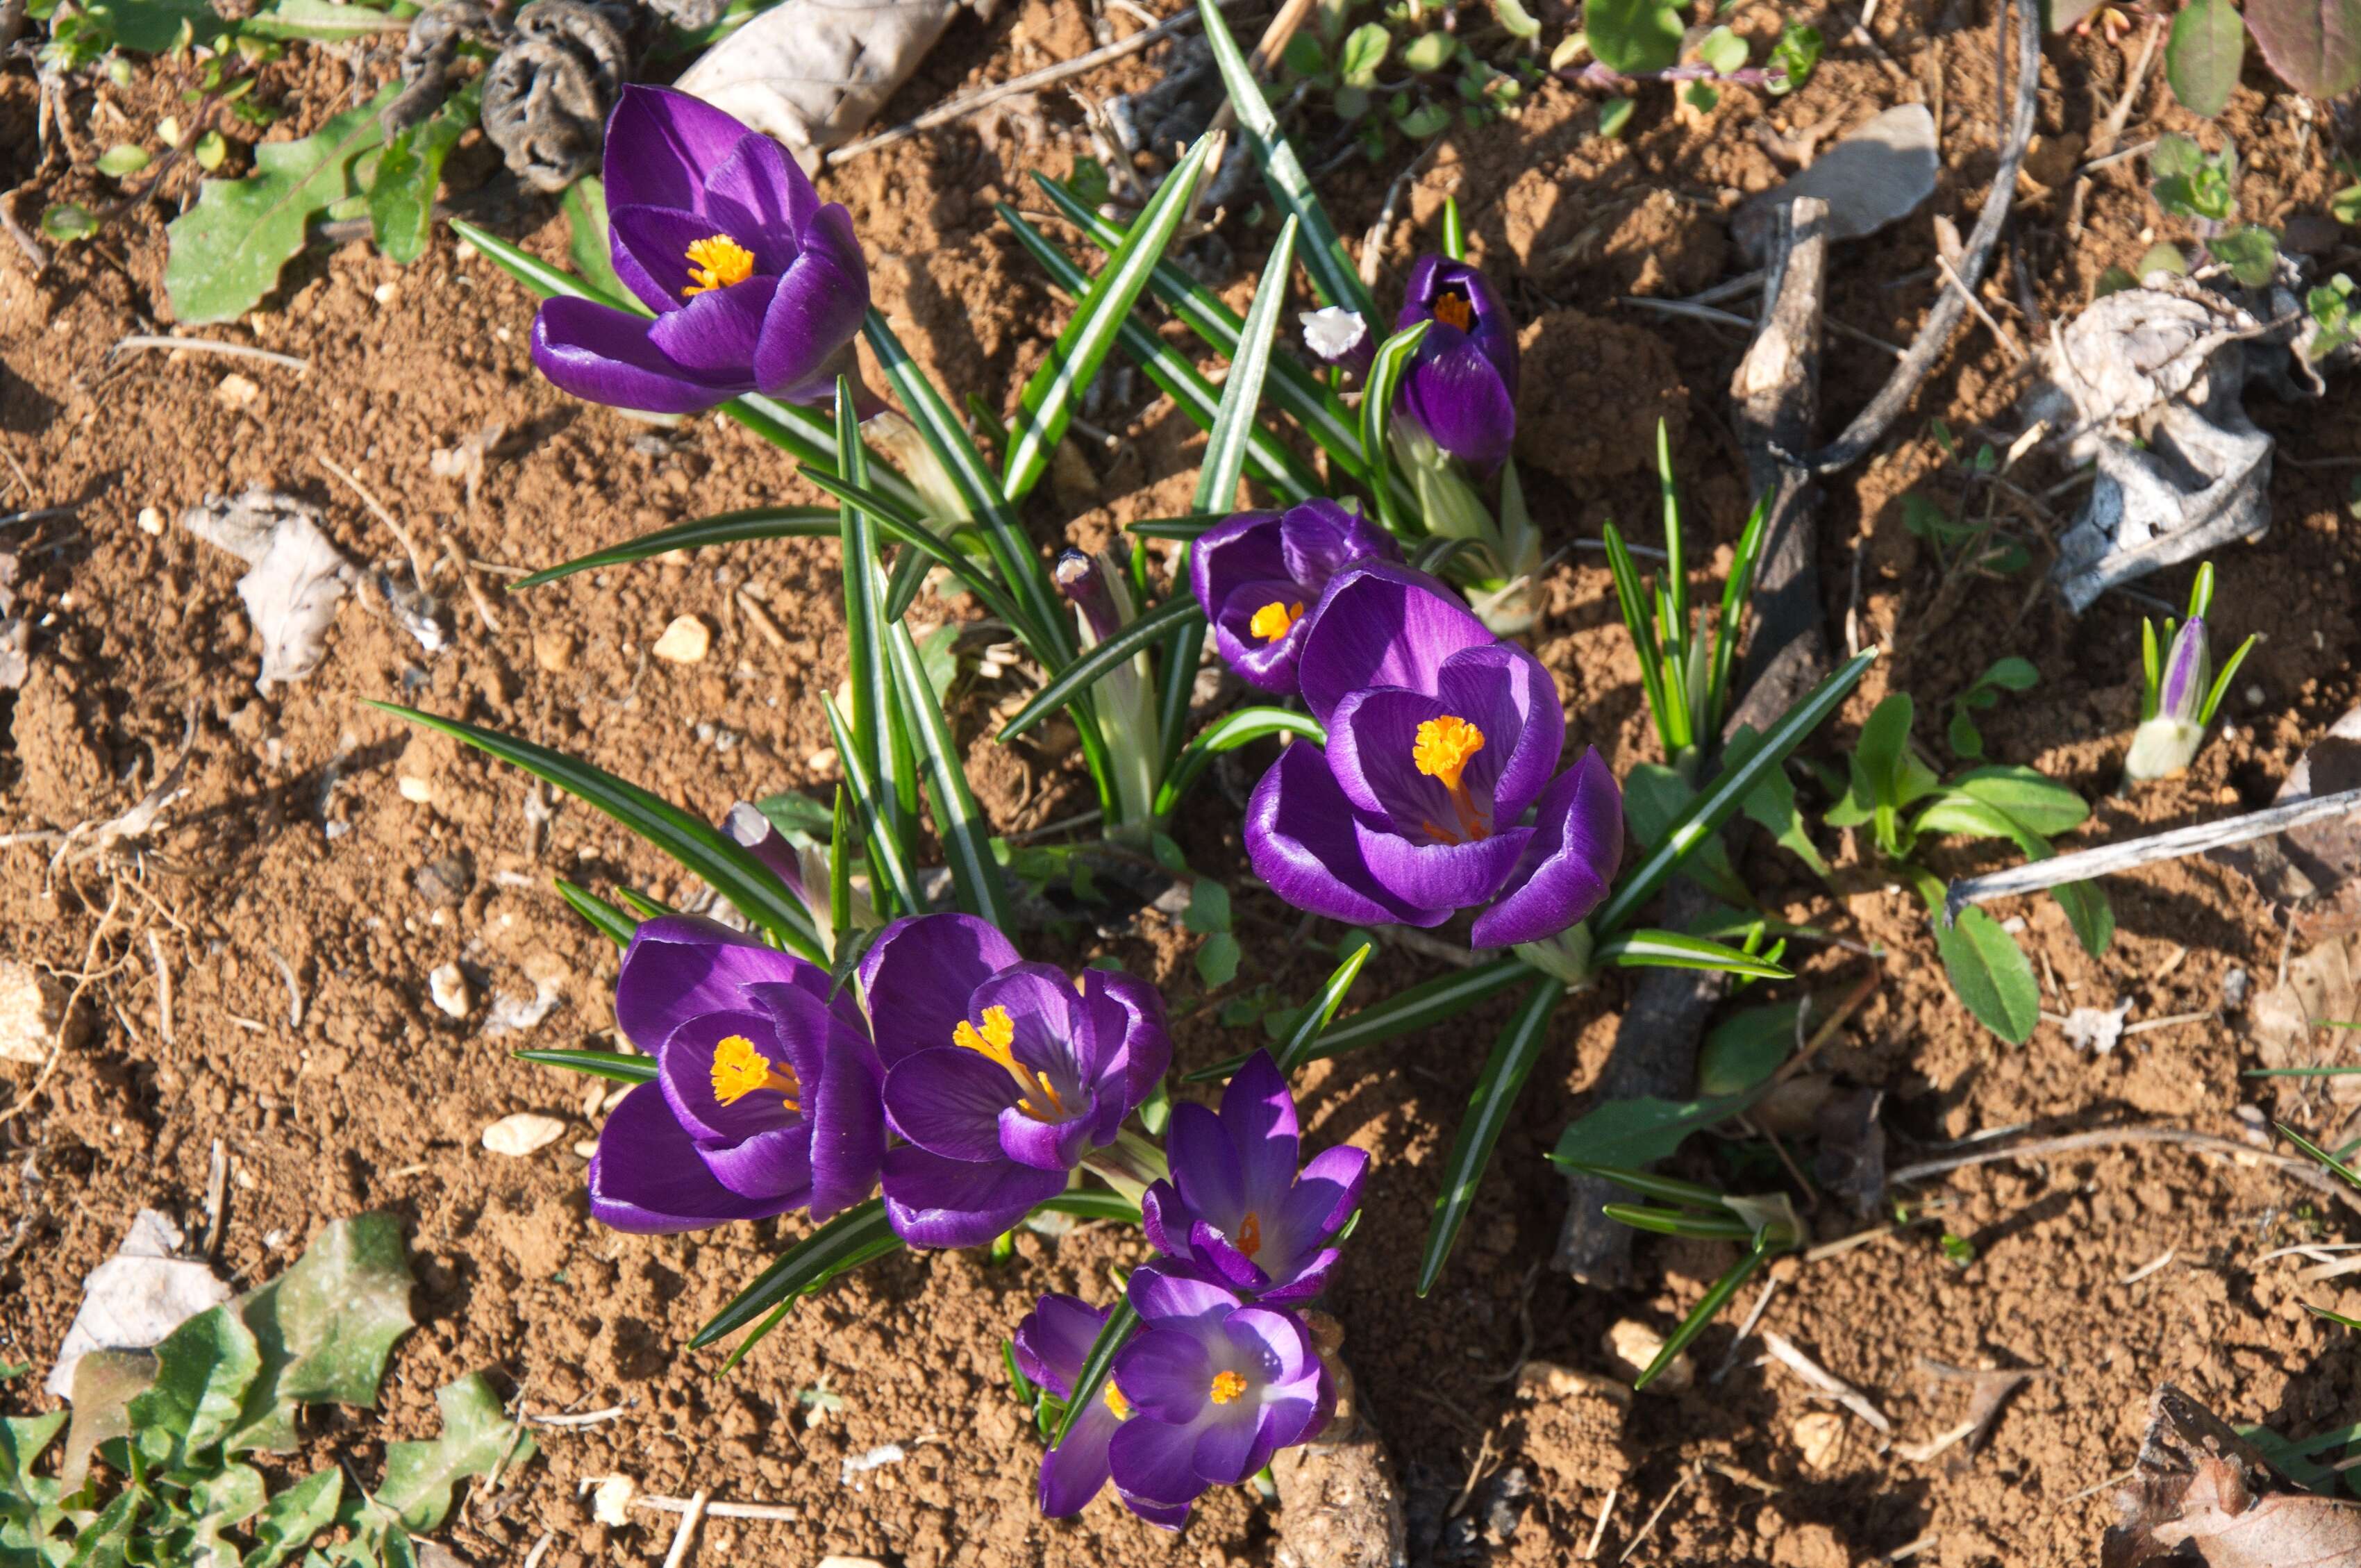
782 1513
475 589
139 340
376 508
1606 1512
587 1418
1687 1476
1951 276
1745 1332
1825 1383
690 1518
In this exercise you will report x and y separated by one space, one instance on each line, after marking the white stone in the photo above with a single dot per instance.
522 1133
415 790
685 642
32 1006
151 521
449 989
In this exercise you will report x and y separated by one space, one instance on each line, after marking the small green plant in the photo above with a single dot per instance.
2330 306
2314 46
2007 674
2179 693
173 1431
1407 73
2202 187
1959 1249
1904 802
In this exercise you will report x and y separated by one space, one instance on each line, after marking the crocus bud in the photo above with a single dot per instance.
2169 738
895 438
1339 336
1085 584
804 868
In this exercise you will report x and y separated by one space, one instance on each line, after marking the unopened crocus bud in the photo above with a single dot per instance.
1086 585
1339 336
1127 715
2169 738
804 868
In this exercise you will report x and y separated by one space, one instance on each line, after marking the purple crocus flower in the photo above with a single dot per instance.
1053 1344
1234 1212
1439 740
1218 1386
2169 739
754 283
1256 574
1002 1074
1462 383
766 1095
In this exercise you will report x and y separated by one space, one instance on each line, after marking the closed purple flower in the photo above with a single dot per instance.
1234 1212
1002 1074
1218 1386
1258 573
1462 383
1441 740
766 1096
1053 1344
755 284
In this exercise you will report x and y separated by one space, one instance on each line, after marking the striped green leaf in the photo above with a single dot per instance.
1510 1063
621 1066
1377 406
1225 451
1056 387
846 1242
902 530
1121 1323
966 836
1321 1011
722 528
864 625
888 851
1228 733
1078 676
1672 950
727 867
1406 1012
611 922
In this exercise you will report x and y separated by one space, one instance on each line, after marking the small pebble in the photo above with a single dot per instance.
522 1133
236 391
822 763
611 1503
2254 697
444 882
1819 1435
151 521
553 648
1632 1346
415 790
685 642
449 989
586 1148
384 293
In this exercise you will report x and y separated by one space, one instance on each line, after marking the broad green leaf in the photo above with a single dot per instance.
1643 1131
1226 454
1333 278
1614 116
401 193
1217 960
722 528
221 1500
2089 912
1365 51
202 1368
861 1233
966 837
1321 1011
2042 805
123 159
729 868
476 1436
325 1328
1772 807
1724 51
1794 57
1741 1052
289 1520
1989 972
1515 19
1505 1071
154 27
1405 1011
2315 45
1632 37
321 21
228 249
1431 52
104 1384
2251 252
1885 744
25 1497
1056 389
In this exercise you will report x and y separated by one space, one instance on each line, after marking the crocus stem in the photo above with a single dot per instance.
1129 1165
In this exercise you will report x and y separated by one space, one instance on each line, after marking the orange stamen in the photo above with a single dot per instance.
1275 620
1452 308
994 1043
716 263
738 1070
1442 751
1228 1387
1250 1235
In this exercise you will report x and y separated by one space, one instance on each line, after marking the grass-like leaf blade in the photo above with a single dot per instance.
1322 1009
611 922
721 528
617 1065
870 682
1675 950
1225 451
1100 1363
727 867
966 836
852 1238
1079 676
1708 1307
1228 733
885 850
1512 1062
1377 407
1405 1011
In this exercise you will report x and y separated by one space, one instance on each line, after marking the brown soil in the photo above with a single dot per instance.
295 861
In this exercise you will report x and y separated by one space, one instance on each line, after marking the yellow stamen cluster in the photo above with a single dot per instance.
1250 1234
1116 1402
994 1043
1452 308
738 1070
1228 1387
1442 751
1275 620
716 263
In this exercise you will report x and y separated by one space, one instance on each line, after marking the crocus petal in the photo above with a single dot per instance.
660 145
917 979
1307 1278
847 1117
1205 1166
714 335
1225 1263
1171 1300
1233 1444
1154 1461
1327 1192
1046 1012
1455 391
1277 1343
1164 1216
1266 665
1072 1473
1242 549
1162 1515
1505 692
1380 624
1372 750
821 300
934 1202
684 1070
1318 539
1258 1115
603 356
1300 834
768 194
1126 1017
1494 333
1165 1374
1051 1145
1440 876
1054 1339
775 1164
681 966
949 1103
1576 844
655 241
646 1177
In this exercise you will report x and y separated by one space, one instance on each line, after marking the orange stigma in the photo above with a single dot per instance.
1275 620
1250 1234
1442 751
738 1070
1228 1387
1452 308
716 263
994 1042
